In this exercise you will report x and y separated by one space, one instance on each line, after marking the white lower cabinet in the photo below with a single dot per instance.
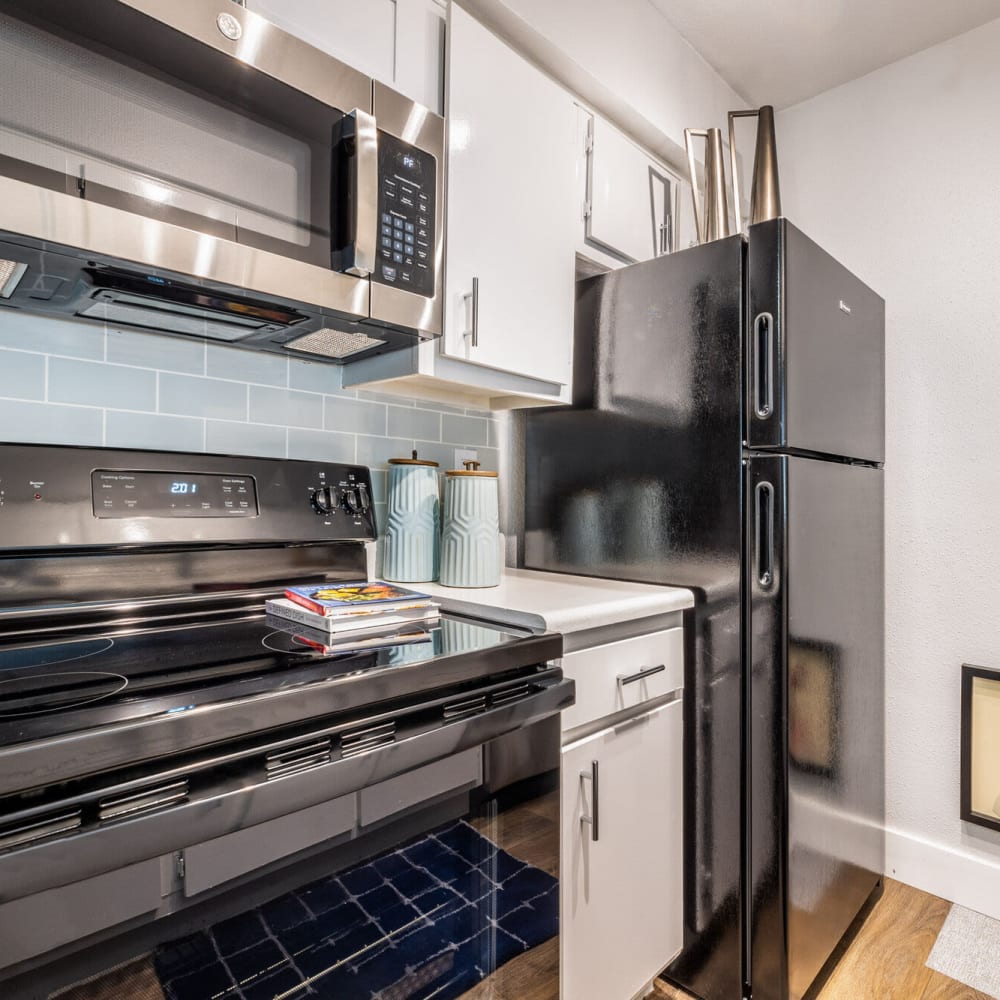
621 856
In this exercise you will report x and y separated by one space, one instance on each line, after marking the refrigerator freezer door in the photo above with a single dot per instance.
815 761
815 350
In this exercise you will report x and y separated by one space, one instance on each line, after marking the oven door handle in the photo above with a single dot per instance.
234 802
364 193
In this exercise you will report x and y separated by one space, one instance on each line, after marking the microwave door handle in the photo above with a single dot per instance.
365 181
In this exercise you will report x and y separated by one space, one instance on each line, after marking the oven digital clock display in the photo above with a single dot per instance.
127 493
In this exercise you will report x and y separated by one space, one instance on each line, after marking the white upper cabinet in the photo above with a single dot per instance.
629 200
400 42
512 209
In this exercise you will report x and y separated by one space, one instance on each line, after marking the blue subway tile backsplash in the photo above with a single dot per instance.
63 382
96 383
170 354
52 336
153 430
50 423
288 407
196 396
22 376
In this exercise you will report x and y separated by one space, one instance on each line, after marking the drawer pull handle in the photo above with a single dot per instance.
594 819
641 675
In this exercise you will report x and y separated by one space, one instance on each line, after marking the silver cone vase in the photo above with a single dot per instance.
713 222
765 193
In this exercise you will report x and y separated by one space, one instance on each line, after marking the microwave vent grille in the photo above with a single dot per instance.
329 343
11 272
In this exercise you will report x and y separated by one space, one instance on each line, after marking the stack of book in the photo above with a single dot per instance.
348 616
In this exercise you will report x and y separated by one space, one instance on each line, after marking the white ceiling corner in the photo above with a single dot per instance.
782 52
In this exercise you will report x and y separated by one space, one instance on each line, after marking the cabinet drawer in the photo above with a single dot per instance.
609 677
458 773
216 861
35 924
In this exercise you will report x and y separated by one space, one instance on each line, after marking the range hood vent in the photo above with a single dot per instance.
11 272
329 343
156 303
69 284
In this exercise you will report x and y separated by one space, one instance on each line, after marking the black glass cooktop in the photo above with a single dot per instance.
71 685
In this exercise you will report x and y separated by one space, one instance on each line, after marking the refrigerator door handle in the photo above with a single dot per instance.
762 364
764 496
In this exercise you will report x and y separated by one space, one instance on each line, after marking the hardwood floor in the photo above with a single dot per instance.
886 959
884 962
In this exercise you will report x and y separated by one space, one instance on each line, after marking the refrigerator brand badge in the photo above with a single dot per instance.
844 307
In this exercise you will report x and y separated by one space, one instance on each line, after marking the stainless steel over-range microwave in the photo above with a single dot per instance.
187 167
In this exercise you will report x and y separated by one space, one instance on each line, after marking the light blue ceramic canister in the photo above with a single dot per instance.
470 545
411 551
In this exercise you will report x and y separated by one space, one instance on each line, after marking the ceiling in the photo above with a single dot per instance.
781 52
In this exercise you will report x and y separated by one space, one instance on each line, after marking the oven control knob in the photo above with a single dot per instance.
355 499
324 500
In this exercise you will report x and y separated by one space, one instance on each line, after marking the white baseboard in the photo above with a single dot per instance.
971 881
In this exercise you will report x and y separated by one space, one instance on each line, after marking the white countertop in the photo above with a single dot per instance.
556 602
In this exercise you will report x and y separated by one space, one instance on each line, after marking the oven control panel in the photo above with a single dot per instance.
53 496
406 207
129 493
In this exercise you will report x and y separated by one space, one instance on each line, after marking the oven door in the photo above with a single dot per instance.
389 855
167 134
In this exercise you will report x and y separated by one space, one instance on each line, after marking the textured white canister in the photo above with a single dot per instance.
411 549
470 544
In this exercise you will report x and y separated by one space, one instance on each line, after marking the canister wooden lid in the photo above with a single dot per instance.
412 461
471 469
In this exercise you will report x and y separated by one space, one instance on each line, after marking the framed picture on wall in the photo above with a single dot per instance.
981 745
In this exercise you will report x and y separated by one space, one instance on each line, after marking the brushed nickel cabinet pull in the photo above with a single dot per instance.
594 819
640 675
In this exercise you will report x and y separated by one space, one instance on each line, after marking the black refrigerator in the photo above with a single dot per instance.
727 435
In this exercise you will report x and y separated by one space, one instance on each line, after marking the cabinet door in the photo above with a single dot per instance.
400 42
630 203
621 907
511 209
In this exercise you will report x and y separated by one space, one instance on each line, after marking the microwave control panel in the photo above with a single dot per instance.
406 207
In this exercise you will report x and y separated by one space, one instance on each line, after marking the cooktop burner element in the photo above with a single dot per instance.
38 694
58 652
287 642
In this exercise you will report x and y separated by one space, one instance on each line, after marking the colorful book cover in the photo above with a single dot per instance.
349 598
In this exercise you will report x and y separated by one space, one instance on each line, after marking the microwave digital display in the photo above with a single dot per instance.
406 205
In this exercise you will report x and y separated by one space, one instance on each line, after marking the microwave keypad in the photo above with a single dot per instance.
407 178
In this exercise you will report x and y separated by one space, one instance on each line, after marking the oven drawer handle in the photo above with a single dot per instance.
594 819
364 181
640 675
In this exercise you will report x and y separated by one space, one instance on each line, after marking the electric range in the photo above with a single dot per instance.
150 709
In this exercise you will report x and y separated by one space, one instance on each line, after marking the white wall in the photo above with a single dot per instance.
897 175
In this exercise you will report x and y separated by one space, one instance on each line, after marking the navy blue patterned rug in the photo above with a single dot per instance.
430 919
